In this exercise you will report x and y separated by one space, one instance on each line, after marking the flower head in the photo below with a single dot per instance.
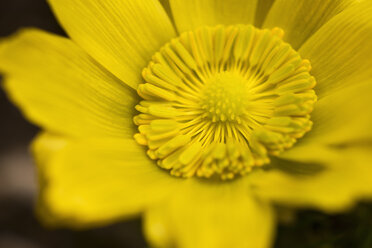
219 100
200 115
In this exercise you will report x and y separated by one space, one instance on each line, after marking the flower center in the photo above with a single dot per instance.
220 101
224 97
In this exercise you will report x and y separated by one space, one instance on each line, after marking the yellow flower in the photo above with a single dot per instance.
196 120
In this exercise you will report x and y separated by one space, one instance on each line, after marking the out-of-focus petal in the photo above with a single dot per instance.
345 179
97 181
216 215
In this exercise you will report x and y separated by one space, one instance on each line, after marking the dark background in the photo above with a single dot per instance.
20 229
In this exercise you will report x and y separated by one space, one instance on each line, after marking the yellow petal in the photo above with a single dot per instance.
341 118
44 147
58 86
211 215
121 35
166 6
96 181
158 228
345 179
300 19
263 7
341 52
191 14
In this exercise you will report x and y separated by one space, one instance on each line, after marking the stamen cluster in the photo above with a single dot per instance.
218 101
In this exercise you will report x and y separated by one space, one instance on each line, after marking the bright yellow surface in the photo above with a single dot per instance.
94 181
59 87
211 215
191 14
341 50
216 102
301 19
121 35
81 91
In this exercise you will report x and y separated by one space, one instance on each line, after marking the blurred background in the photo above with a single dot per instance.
20 229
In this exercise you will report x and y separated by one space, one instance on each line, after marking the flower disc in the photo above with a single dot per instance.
220 100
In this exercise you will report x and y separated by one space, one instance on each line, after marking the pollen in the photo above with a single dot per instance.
220 101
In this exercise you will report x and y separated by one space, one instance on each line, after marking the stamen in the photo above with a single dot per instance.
220 101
